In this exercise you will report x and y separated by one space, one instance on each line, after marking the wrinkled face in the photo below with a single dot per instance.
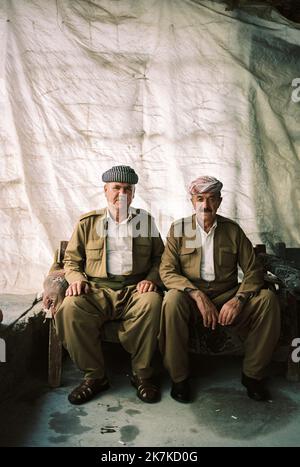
119 195
206 206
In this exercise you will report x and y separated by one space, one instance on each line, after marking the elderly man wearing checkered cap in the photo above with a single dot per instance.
111 265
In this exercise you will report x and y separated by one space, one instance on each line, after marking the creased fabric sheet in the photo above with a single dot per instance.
174 88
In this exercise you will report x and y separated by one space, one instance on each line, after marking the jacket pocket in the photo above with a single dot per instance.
142 246
186 258
94 249
228 259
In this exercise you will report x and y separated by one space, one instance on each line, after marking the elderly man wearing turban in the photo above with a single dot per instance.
199 267
111 265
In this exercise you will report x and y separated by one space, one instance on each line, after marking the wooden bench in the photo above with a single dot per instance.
285 281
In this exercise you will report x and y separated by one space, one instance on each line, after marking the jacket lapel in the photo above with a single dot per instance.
191 243
136 240
102 232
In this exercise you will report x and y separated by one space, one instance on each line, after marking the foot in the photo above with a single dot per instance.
87 390
181 391
256 388
147 389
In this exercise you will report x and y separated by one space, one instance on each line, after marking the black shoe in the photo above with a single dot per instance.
256 388
181 392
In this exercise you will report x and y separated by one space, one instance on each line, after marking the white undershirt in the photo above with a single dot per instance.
207 267
119 245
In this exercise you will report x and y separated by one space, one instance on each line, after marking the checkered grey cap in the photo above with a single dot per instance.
120 173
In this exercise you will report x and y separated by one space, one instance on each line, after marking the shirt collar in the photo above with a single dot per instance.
110 218
211 230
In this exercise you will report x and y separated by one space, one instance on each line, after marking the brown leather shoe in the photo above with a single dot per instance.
87 390
147 389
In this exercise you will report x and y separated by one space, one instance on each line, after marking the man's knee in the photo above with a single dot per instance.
175 297
268 296
69 307
269 303
175 303
150 302
154 300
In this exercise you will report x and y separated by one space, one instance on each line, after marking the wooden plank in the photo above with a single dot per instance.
54 357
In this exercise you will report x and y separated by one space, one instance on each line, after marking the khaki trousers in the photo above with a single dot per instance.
258 325
80 318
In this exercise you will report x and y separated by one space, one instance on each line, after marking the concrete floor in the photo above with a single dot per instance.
220 415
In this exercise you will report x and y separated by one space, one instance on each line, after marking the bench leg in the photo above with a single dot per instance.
54 357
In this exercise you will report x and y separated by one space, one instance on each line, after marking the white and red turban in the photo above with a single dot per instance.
205 184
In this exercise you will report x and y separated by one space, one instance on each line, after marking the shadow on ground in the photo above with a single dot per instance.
220 414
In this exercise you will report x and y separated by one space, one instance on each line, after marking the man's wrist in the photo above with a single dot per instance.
193 293
241 298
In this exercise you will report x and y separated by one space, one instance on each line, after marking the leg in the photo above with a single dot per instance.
78 323
140 329
138 336
259 325
174 334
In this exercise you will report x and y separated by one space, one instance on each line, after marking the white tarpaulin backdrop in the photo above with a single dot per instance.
174 88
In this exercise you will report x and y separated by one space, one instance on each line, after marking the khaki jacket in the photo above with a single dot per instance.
180 264
85 256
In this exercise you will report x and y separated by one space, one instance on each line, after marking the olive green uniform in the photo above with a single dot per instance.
80 318
259 321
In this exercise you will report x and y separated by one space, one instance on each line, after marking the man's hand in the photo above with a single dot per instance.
206 307
146 286
77 288
229 311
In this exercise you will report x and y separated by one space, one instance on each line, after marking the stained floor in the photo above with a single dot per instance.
220 415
